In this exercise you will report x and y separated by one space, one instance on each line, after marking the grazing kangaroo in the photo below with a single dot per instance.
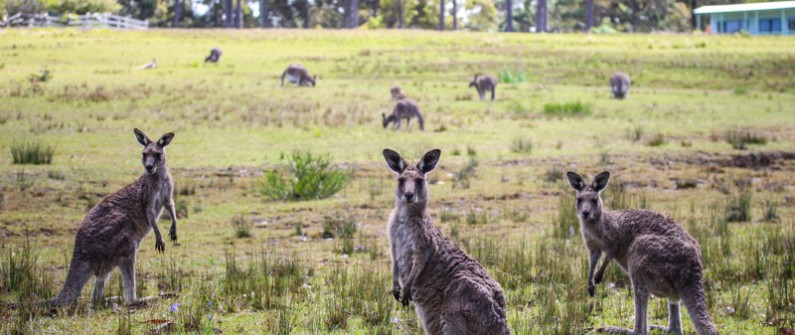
298 74
404 109
484 84
619 84
215 55
660 257
111 232
451 292
150 65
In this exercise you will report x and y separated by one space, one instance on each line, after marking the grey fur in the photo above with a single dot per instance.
484 84
299 75
405 108
451 292
660 257
619 85
215 55
112 231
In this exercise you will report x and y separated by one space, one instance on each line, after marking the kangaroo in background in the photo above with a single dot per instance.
298 74
405 108
484 84
619 85
451 292
149 66
112 231
660 257
215 55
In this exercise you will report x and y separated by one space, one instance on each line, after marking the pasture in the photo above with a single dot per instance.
706 136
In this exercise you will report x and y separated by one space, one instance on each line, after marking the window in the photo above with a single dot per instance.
791 24
732 26
769 25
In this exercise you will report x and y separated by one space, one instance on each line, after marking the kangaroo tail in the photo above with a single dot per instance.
79 273
695 301
283 75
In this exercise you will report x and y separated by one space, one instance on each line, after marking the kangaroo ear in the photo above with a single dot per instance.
141 137
600 181
394 161
165 139
576 181
429 160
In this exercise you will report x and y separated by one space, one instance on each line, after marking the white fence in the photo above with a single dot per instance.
87 21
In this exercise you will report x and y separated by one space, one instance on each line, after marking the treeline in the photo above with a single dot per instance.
600 16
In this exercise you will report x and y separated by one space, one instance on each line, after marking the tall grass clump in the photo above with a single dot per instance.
511 76
566 224
241 226
739 208
22 276
310 177
522 145
741 139
568 109
32 152
341 225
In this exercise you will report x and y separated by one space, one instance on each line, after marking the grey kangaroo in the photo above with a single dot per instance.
484 84
298 74
112 231
619 85
405 108
660 257
452 293
215 56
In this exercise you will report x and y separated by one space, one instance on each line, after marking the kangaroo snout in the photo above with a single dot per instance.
409 197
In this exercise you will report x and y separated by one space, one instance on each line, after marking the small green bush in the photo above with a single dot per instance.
310 177
576 108
32 152
511 76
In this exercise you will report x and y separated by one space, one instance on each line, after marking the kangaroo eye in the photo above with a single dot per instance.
157 156
579 201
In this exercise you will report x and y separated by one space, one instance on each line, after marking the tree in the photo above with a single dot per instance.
441 15
589 16
508 15
353 17
227 13
481 15
541 16
238 16
455 14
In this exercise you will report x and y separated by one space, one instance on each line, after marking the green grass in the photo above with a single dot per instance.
32 152
508 208
567 109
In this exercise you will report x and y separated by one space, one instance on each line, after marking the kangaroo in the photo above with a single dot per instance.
484 84
397 93
619 84
298 74
451 292
215 56
404 109
111 232
150 65
660 257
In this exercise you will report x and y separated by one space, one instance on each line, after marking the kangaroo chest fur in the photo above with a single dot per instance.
405 236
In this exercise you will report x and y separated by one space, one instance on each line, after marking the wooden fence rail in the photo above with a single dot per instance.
88 21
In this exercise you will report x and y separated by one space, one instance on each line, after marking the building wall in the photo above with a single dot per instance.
772 22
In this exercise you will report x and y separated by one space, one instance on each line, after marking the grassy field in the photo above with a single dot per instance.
250 265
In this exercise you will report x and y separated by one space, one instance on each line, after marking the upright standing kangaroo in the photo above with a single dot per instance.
660 257
619 85
111 233
484 84
451 292
299 75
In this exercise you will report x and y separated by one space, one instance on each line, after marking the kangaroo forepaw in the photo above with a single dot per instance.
406 296
160 245
396 293
173 233
598 278
591 290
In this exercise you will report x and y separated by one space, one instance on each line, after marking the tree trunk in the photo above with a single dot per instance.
589 16
508 15
306 15
400 13
227 13
693 22
455 14
441 15
634 4
541 16
263 14
177 13
239 16
353 18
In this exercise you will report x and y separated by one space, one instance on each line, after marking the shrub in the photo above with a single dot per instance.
740 139
739 208
32 152
522 145
241 226
310 178
656 141
576 108
511 76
